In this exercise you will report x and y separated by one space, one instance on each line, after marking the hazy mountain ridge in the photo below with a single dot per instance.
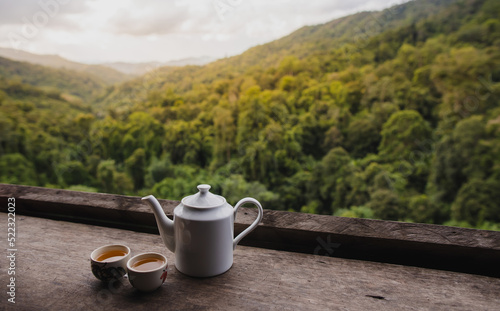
110 73
351 29
83 85
106 74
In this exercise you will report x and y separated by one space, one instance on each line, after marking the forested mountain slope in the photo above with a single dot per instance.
391 115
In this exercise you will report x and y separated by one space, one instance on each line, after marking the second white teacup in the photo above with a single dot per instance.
147 271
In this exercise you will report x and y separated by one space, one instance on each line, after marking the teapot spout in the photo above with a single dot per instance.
165 225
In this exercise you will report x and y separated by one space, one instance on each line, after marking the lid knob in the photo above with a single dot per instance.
203 188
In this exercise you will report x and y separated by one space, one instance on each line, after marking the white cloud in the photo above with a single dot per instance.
149 20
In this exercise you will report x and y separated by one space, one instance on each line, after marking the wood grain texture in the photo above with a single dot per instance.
53 273
423 245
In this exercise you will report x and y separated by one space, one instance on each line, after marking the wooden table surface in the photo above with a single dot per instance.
53 273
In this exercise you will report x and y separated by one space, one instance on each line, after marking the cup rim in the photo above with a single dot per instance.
147 254
99 250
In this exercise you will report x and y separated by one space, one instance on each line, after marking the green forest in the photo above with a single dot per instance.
389 115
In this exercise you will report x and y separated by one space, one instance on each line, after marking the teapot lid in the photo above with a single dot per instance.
203 199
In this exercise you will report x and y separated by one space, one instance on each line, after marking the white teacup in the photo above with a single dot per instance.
110 261
147 271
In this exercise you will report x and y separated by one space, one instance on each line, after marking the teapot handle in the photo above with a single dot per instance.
253 225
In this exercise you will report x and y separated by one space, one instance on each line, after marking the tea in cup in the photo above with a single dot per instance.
147 271
110 262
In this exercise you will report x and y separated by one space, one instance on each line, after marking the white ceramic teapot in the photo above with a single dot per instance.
201 234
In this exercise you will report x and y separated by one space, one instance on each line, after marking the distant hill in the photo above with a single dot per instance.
80 84
138 69
197 61
133 69
110 73
106 74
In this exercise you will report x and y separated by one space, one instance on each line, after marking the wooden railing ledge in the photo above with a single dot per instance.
425 245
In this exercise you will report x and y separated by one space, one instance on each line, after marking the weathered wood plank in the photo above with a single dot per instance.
424 245
53 273
98 208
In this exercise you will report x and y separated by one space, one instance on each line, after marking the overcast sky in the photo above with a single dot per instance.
95 31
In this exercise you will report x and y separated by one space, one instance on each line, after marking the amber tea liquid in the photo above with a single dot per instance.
146 264
111 256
